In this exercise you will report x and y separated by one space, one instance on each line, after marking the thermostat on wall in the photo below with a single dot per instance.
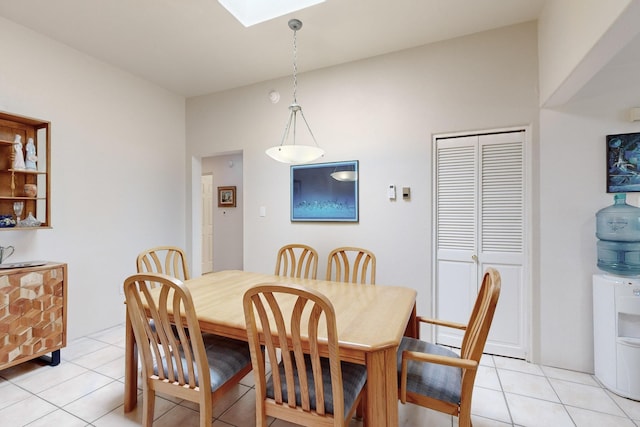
392 192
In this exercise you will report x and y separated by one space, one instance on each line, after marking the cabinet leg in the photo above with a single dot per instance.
54 359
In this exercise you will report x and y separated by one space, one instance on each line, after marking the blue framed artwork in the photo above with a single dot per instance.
325 192
623 163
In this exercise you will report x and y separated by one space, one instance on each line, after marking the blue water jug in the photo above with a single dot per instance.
621 258
619 222
618 228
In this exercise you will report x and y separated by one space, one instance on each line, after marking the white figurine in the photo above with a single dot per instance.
31 158
18 161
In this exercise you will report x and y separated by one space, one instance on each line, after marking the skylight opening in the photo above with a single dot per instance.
251 12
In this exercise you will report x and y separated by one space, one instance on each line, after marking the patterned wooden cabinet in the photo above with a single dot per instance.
33 313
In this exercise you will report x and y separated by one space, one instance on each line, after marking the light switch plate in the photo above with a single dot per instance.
406 193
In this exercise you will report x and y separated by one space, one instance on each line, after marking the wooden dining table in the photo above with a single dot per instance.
371 321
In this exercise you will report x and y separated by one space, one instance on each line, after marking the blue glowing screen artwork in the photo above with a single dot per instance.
325 192
623 163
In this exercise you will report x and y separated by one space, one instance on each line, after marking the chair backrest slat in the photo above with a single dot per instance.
351 265
169 260
297 260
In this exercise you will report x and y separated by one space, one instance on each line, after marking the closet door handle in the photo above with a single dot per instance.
474 258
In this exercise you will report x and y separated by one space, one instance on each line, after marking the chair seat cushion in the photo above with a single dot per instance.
226 358
437 381
354 377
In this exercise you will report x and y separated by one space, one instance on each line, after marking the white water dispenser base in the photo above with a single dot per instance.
616 333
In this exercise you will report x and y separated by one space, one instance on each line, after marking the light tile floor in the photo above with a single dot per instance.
86 389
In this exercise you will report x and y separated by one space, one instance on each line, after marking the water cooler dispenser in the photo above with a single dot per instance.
616 299
616 333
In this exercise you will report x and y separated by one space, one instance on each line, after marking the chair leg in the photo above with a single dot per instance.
148 405
464 420
464 414
360 410
206 412
261 416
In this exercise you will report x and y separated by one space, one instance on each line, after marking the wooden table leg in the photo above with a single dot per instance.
130 369
382 388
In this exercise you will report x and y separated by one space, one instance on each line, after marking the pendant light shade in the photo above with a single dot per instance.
289 151
295 153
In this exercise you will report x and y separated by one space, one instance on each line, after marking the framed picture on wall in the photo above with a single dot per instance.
623 163
227 197
325 192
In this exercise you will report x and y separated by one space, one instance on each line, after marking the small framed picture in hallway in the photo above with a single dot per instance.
227 197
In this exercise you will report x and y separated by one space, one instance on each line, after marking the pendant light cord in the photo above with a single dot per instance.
294 107
295 66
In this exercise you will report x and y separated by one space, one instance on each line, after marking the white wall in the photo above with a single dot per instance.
383 112
571 31
118 172
227 222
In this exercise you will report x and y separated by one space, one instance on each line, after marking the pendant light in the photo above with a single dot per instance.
295 153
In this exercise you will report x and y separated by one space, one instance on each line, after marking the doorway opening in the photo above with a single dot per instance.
222 225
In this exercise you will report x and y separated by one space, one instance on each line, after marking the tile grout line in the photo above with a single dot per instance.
504 395
32 394
564 406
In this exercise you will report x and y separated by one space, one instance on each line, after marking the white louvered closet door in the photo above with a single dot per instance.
479 223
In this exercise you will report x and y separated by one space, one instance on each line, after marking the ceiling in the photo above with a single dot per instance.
195 47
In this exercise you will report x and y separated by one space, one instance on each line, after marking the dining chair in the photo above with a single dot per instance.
436 377
351 265
297 260
196 367
290 323
169 260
